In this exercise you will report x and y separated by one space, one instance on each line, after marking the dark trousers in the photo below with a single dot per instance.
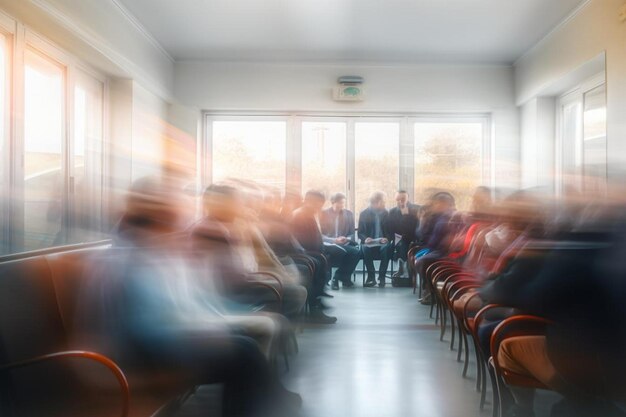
320 274
422 265
402 250
345 259
250 386
371 253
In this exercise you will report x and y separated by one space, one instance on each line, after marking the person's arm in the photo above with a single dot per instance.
300 232
350 226
362 227
439 234
388 232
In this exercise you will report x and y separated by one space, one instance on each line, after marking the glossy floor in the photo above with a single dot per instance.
383 358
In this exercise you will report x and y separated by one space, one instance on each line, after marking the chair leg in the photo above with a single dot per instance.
479 369
452 329
483 388
444 321
466 364
495 393
460 347
503 404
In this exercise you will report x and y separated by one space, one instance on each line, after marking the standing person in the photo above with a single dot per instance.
337 225
306 229
375 238
403 222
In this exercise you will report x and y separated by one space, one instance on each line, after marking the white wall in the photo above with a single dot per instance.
240 87
101 33
537 125
594 29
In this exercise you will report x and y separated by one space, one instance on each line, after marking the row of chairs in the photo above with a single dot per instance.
453 281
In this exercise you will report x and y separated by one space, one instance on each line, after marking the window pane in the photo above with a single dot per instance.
324 157
448 157
3 156
377 154
594 139
251 151
87 159
571 159
43 134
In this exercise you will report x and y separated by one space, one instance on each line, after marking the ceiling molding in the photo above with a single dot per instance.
130 17
103 48
347 63
555 29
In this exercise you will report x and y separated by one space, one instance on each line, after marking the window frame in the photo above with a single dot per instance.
576 95
406 174
22 39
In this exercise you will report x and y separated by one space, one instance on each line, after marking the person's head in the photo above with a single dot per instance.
377 200
338 201
314 200
442 202
152 206
402 199
481 200
521 211
222 203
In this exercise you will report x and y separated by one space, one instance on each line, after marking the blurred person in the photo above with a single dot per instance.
581 290
435 236
306 229
481 205
144 305
376 238
292 200
403 223
279 237
224 206
337 224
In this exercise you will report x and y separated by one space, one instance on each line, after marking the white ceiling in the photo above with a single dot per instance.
485 31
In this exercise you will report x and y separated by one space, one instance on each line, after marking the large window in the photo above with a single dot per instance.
4 125
376 160
448 157
582 149
250 150
594 139
44 133
86 179
324 157
351 154
51 144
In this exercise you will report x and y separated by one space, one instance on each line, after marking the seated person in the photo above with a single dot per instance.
306 229
278 235
581 289
337 225
403 222
224 206
376 240
144 306
434 233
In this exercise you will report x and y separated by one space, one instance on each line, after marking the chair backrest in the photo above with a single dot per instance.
37 298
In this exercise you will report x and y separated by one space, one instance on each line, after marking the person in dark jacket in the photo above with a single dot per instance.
306 229
435 234
581 289
376 239
337 224
403 222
